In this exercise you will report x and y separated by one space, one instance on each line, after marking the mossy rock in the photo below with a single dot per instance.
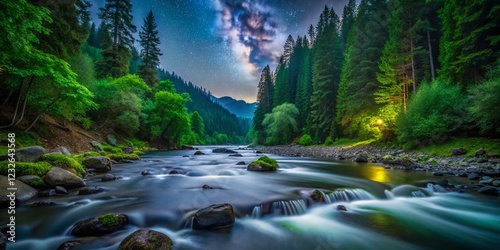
112 149
26 168
101 225
33 181
263 164
64 162
318 196
121 157
92 153
146 239
98 163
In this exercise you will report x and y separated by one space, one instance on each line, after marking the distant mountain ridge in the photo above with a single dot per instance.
238 107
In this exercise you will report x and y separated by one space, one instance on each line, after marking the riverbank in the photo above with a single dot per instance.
482 169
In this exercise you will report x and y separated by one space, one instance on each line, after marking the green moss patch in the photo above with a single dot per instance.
109 219
26 168
64 161
112 149
266 163
119 157
491 146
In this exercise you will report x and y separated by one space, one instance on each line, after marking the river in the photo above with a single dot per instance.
273 210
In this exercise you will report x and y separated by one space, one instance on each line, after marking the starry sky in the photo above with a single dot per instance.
223 45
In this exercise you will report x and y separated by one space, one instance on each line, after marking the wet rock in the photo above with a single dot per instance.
61 190
47 193
29 154
100 164
128 150
360 158
146 239
341 208
108 177
224 150
60 177
61 150
317 196
437 173
407 190
480 152
146 172
71 244
187 147
496 183
263 164
99 226
173 172
91 190
473 176
258 152
236 155
207 187
486 182
215 216
185 156
488 190
42 204
241 163
199 153
32 180
111 140
458 151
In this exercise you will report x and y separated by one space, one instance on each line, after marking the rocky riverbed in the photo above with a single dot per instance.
482 170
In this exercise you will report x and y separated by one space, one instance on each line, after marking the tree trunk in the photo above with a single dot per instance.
42 112
25 101
431 60
412 54
17 107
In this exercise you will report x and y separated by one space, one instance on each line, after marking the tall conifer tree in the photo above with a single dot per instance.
150 52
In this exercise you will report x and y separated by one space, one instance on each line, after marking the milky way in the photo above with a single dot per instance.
223 45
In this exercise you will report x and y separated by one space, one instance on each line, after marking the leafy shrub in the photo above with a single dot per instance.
305 140
484 106
329 141
64 161
281 124
434 114
26 168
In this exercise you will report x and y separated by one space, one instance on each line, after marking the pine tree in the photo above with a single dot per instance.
304 84
92 40
117 16
265 103
150 52
312 36
470 40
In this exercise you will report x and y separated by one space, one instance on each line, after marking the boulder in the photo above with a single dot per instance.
187 147
458 151
224 150
98 163
128 150
146 239
99 226
61 150
341 208
236 155
32 180
146 172
496 183
23 192
29 154
199 153
241 163
91 190
69 245
205 186
215 216
263 164
47 193
61 190
174 172
488 190
361 158
108 177
473 176
60 177
111 140
480 152
318 196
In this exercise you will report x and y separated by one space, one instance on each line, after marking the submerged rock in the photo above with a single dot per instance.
146 239
101 225
199 153
98 163
215 216
108 177
317 196
341 208
60 177
241 163
91 190
207 187
236 155
71 244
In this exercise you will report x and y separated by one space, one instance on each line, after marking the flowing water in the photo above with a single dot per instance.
386 209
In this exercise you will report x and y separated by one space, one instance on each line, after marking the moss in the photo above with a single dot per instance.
109 219
26 168
37 183
92 153
102 153
139 152
112 149
266 162
491 146
120 157
64 161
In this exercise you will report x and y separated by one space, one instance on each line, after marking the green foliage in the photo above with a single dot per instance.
281 125
109 219
491 146
64 161
112 149
485 102
266 162
26 168
136 143
119 157
265 99
305 140
437 112
329 141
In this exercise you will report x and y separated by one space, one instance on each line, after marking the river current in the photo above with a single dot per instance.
385 209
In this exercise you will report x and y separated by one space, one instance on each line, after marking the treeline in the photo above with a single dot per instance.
56 61
416 71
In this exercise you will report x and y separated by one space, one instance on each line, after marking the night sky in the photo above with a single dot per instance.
223 45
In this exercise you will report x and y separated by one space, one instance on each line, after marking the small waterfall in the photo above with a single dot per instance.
419 194
293 207
348 195
257 212
436 188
